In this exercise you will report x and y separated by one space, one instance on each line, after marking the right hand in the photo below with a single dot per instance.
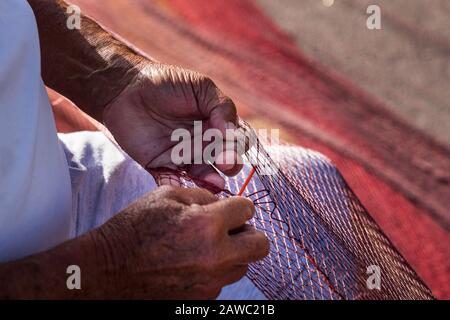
178 243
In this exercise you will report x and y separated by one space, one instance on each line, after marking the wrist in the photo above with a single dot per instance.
90 66
140 76
104 85
44 275
109 249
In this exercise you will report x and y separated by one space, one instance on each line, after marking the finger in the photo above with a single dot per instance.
244 228
187 196
233 212
199 196
229 162
249 246
206 173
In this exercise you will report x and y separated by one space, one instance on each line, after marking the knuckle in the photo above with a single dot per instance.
229 103
213 258
205 194
207 82
226 106
225 102
209 227
168 191
248 207
202 218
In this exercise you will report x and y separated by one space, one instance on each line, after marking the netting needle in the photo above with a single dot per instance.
247 181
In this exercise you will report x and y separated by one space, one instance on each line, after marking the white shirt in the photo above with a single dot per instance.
35 191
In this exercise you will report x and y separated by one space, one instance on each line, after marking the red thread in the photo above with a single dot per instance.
247 181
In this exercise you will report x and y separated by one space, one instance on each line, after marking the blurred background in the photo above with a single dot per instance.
376 102
406 65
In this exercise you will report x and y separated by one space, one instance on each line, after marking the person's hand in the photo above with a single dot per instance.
178 243
164 98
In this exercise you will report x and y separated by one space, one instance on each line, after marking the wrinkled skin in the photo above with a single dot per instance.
171 243
164 98
180 244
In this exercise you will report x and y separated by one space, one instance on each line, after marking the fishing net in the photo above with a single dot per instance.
324 244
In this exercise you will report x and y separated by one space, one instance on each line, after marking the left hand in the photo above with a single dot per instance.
164 98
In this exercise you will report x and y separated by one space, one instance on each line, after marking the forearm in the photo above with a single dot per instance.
43 275
89 66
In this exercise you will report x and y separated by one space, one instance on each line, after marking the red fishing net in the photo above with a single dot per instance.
324 244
